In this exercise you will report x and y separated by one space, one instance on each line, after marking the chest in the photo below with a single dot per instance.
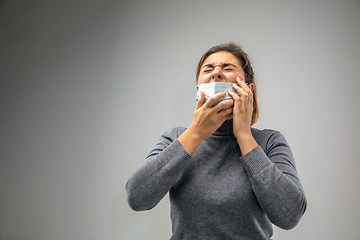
214 176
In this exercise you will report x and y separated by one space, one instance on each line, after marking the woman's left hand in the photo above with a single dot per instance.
242 115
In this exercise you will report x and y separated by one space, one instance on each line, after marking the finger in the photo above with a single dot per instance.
243 99
243 85
225 111
201 100
226 114
229 103
234 95
239 90
210 102
246 94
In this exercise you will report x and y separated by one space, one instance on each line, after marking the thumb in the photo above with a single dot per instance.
201 100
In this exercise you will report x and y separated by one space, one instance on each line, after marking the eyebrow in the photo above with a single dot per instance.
222 65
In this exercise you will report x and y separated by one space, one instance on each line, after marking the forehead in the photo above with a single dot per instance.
221 57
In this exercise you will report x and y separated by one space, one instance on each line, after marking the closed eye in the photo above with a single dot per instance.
228 66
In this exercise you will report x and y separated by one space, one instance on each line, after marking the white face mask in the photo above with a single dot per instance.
212 88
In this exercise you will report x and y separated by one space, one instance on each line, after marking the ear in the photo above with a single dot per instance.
252 87
197 88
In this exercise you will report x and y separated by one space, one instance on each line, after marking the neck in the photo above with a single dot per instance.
226 129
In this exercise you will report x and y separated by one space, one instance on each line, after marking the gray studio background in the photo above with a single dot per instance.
87 87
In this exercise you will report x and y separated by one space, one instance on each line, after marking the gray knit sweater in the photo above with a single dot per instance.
217 193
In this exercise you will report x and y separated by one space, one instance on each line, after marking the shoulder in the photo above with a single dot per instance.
265 133
173 133
166 139
268 137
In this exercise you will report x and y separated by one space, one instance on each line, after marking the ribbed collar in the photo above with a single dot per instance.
226 129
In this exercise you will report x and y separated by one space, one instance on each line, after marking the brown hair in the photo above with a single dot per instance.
244 61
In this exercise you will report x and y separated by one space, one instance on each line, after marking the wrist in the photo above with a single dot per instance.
190 140
246 142
243 136
243 133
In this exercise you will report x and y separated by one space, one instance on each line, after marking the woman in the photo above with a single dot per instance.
226 180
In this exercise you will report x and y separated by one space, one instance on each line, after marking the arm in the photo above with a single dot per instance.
275 182
158 173
272 175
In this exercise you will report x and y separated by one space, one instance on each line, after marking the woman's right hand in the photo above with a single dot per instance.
206 120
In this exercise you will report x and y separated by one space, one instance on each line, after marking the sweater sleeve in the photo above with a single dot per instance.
275 182
158 173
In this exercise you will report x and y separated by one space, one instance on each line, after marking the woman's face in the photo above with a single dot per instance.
221 67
